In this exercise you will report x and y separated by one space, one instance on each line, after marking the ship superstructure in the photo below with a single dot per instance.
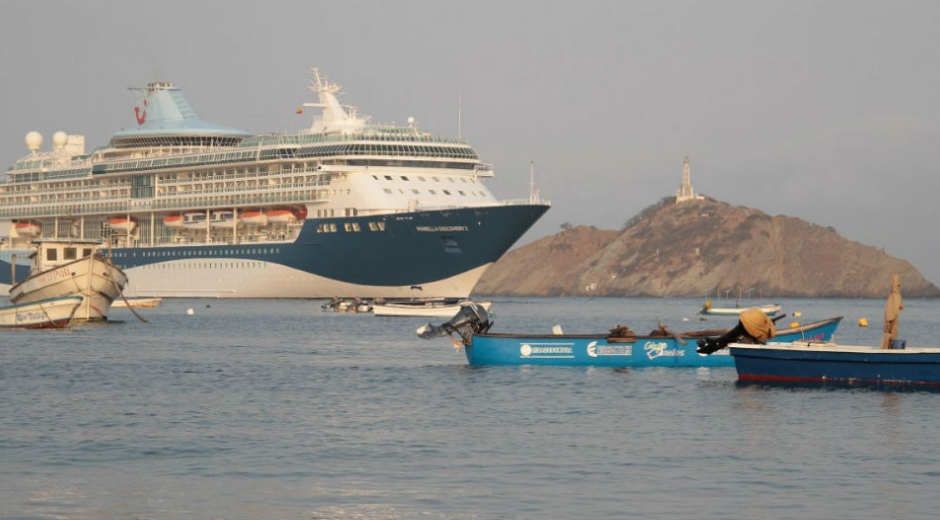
192 208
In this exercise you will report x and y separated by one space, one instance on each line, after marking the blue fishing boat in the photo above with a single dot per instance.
620 347
828 363
800 362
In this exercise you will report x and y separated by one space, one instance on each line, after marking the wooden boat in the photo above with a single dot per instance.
147 303
770 309
42 314
124 224
66 267
620 347
173 221
282 216
827 363
255 218
28 227
425 308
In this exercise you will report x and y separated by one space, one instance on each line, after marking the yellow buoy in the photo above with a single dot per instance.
862 322
794 324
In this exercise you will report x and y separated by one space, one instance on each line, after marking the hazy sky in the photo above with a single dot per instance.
828 111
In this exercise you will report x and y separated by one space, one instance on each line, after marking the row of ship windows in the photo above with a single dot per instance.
349 227
433 192
200 253
208 265
423 179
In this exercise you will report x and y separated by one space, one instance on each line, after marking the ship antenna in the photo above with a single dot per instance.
533 188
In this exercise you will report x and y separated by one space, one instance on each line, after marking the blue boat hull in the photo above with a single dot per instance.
599 350
830 365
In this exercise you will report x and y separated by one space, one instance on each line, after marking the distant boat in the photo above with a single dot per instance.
147 303
41 314
347 305
828 363
619 347
66 267
427 308
122 224
770 309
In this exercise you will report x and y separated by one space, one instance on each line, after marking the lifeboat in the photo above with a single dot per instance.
255 218
28 227
125 224
282 216
195 220
224 219
173 221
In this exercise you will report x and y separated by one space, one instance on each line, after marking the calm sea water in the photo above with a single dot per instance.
275 410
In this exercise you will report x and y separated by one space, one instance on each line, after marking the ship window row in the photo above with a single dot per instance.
422 178
415 191
206 265
200 253
349 227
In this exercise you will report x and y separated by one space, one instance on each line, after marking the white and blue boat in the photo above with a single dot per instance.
801 362
344 208
620 347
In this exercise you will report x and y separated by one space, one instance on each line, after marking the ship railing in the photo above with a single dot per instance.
171 178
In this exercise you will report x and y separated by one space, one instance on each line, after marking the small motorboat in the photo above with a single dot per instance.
617 348
428 308
146 303
804 362
42 314
770 309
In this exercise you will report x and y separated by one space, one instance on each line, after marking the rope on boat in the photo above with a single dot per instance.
129 306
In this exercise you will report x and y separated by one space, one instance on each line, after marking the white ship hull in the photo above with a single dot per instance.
193 279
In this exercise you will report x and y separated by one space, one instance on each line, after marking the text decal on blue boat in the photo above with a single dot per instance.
609 350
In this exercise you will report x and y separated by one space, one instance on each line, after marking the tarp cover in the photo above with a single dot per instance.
757 324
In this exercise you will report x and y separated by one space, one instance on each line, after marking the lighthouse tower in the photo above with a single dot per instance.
685 189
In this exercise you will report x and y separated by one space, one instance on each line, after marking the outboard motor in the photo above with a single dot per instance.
753 327
470 319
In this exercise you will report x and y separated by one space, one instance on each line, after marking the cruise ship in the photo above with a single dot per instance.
191 208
